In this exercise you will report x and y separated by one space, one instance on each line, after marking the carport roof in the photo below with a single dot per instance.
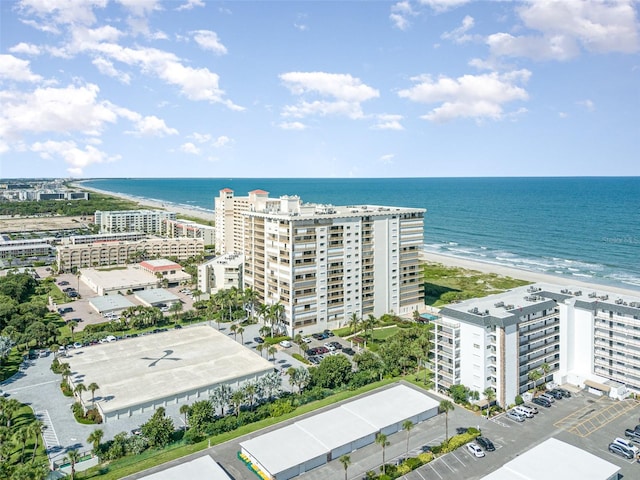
319 434
561 460
110 302
202 468
156 295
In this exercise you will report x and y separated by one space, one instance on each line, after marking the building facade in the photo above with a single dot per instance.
73 256
567 337
220 273
145 221
188 229
325 263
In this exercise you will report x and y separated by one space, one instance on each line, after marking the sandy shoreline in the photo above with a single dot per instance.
527 275
170 207
447 260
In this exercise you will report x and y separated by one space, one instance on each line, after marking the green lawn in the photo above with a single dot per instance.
23 417
10 365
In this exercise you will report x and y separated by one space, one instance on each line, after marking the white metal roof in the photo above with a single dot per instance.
561 460
202 468
319 434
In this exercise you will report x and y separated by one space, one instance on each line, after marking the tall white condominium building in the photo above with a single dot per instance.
325 263
146 221
497 341
229 220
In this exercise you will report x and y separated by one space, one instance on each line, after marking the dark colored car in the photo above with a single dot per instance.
177 326
485 443
258 339
328 333
348 351
556 394
543 402
564 392
318 336
336 345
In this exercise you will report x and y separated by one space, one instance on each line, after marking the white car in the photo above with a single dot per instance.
475 450
329 347
285 343
307 339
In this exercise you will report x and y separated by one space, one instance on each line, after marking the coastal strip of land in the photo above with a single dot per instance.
449 261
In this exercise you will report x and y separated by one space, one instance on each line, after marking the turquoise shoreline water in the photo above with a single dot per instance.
585 229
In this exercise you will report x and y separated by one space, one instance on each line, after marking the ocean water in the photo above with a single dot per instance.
585 229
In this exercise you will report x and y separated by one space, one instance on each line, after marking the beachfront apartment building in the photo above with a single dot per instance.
220 273
497 341
189 229
101 253
228 210
145 221
326 263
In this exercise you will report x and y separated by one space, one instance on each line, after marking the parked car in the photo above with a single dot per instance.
548 396
565 393
63 282
336 345
485 443
627 444
632 435
620 450
78 345
529 408
285 343
306 339
329 346
318 336
328 333
475 450
524 411
348 351
555 393
513 415
258 339
543 402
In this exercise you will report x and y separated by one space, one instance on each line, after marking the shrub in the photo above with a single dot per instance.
519 400
413 462
192 436
66 389
426 457
403 469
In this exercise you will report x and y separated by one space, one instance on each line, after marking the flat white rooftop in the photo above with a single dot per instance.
203 468
125 278
110 303
138 370
555 459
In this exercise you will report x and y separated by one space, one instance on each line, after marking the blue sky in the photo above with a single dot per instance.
426 88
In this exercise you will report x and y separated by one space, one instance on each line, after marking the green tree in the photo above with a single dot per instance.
345 460
72 457
299 377
354 323
35 429
272 351
200 415
221 397
80 388
332 372
237 399
534 376
22 436
381 439
175 309
407 425
240 331
446 406
184 410
93 386
490 395
95 438
158 429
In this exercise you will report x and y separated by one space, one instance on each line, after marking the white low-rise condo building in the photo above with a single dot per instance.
585 339
324 263
145 221
220 273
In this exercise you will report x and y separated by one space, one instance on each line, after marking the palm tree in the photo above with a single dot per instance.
354 321
10 407
237 399
298 340
250 390
80 387
346 461
240 331
21 436
35 429
446 406
184 410
490 395
175 309
272 351
381 439
260 348
93 386
546 368
72 457
72 326
534 376
94 438
197 294
234 330
407 425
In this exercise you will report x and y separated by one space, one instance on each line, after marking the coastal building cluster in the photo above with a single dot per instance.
39 190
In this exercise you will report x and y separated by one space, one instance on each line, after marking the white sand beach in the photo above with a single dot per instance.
520 274
144 202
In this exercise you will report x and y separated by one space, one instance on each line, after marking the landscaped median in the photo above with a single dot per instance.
391 471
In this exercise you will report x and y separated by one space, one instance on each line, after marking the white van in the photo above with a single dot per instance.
524 411
628 445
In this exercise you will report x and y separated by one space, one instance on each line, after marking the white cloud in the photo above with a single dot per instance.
568 26
443 5
401 13
61 110
292 126
469 96
54 12
300 24
26 49
105 67
200 137
16 69
387 159
190 148
152 126
190 5
346 94
76 157
209 40
587 104
459 35
141 7
221 141
388 122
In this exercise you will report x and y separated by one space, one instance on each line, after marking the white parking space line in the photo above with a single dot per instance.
456 457
49 434
434 470
31 386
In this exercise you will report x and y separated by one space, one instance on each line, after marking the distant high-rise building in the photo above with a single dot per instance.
145 221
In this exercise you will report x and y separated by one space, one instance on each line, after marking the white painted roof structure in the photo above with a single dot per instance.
560 460
202 468
319 434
